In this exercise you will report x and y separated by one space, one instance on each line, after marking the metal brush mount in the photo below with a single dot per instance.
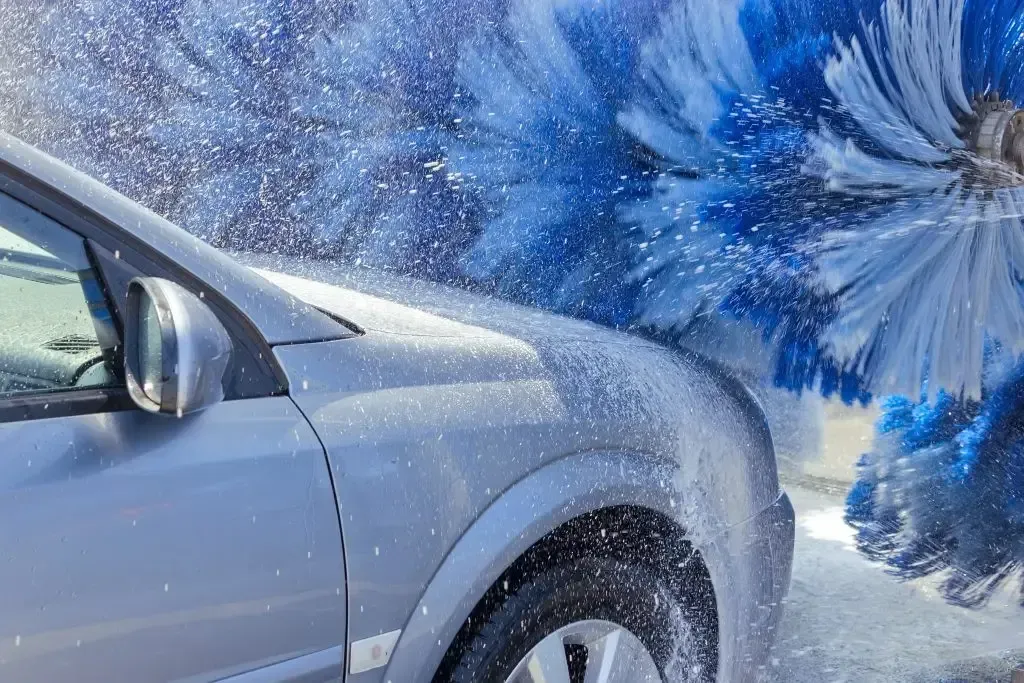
994 131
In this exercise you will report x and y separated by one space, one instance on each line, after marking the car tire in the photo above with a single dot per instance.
630 595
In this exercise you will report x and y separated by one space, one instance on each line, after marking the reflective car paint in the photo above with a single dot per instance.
142 548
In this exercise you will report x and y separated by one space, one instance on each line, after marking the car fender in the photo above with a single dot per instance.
536 505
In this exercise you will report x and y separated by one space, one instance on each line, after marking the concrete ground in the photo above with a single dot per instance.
847 620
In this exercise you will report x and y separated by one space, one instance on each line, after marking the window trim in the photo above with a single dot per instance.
73 402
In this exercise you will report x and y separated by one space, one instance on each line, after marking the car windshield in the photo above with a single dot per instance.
822 201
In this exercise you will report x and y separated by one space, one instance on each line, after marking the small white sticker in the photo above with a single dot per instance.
372 653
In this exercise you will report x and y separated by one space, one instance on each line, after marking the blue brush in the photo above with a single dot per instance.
856 199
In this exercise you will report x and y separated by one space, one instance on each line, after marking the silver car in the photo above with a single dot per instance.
286 472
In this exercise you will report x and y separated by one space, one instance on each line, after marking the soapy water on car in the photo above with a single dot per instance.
825 196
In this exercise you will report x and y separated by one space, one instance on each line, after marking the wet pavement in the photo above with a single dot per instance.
847 620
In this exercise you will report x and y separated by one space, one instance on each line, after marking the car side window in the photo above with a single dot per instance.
56 330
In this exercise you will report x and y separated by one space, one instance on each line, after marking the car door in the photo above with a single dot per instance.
139 547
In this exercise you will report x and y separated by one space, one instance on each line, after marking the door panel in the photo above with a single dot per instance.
135 547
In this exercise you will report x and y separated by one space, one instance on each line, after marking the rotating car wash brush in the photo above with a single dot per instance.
312 128
928 284
847 178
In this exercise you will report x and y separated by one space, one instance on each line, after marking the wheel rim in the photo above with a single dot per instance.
590 651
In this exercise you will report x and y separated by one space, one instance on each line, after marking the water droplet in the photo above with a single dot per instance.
167 587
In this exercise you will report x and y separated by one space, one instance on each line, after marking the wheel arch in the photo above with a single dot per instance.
542 512
630 534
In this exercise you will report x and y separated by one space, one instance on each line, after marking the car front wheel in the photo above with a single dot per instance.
592 619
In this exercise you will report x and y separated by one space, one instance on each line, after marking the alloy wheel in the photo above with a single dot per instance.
592 651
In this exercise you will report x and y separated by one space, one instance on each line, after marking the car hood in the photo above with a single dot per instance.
381 302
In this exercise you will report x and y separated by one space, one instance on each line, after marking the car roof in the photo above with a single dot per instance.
279 316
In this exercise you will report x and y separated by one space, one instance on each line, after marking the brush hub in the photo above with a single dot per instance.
995 132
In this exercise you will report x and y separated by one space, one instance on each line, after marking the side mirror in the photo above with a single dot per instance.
176 351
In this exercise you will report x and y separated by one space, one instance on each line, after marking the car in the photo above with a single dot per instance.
265 468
